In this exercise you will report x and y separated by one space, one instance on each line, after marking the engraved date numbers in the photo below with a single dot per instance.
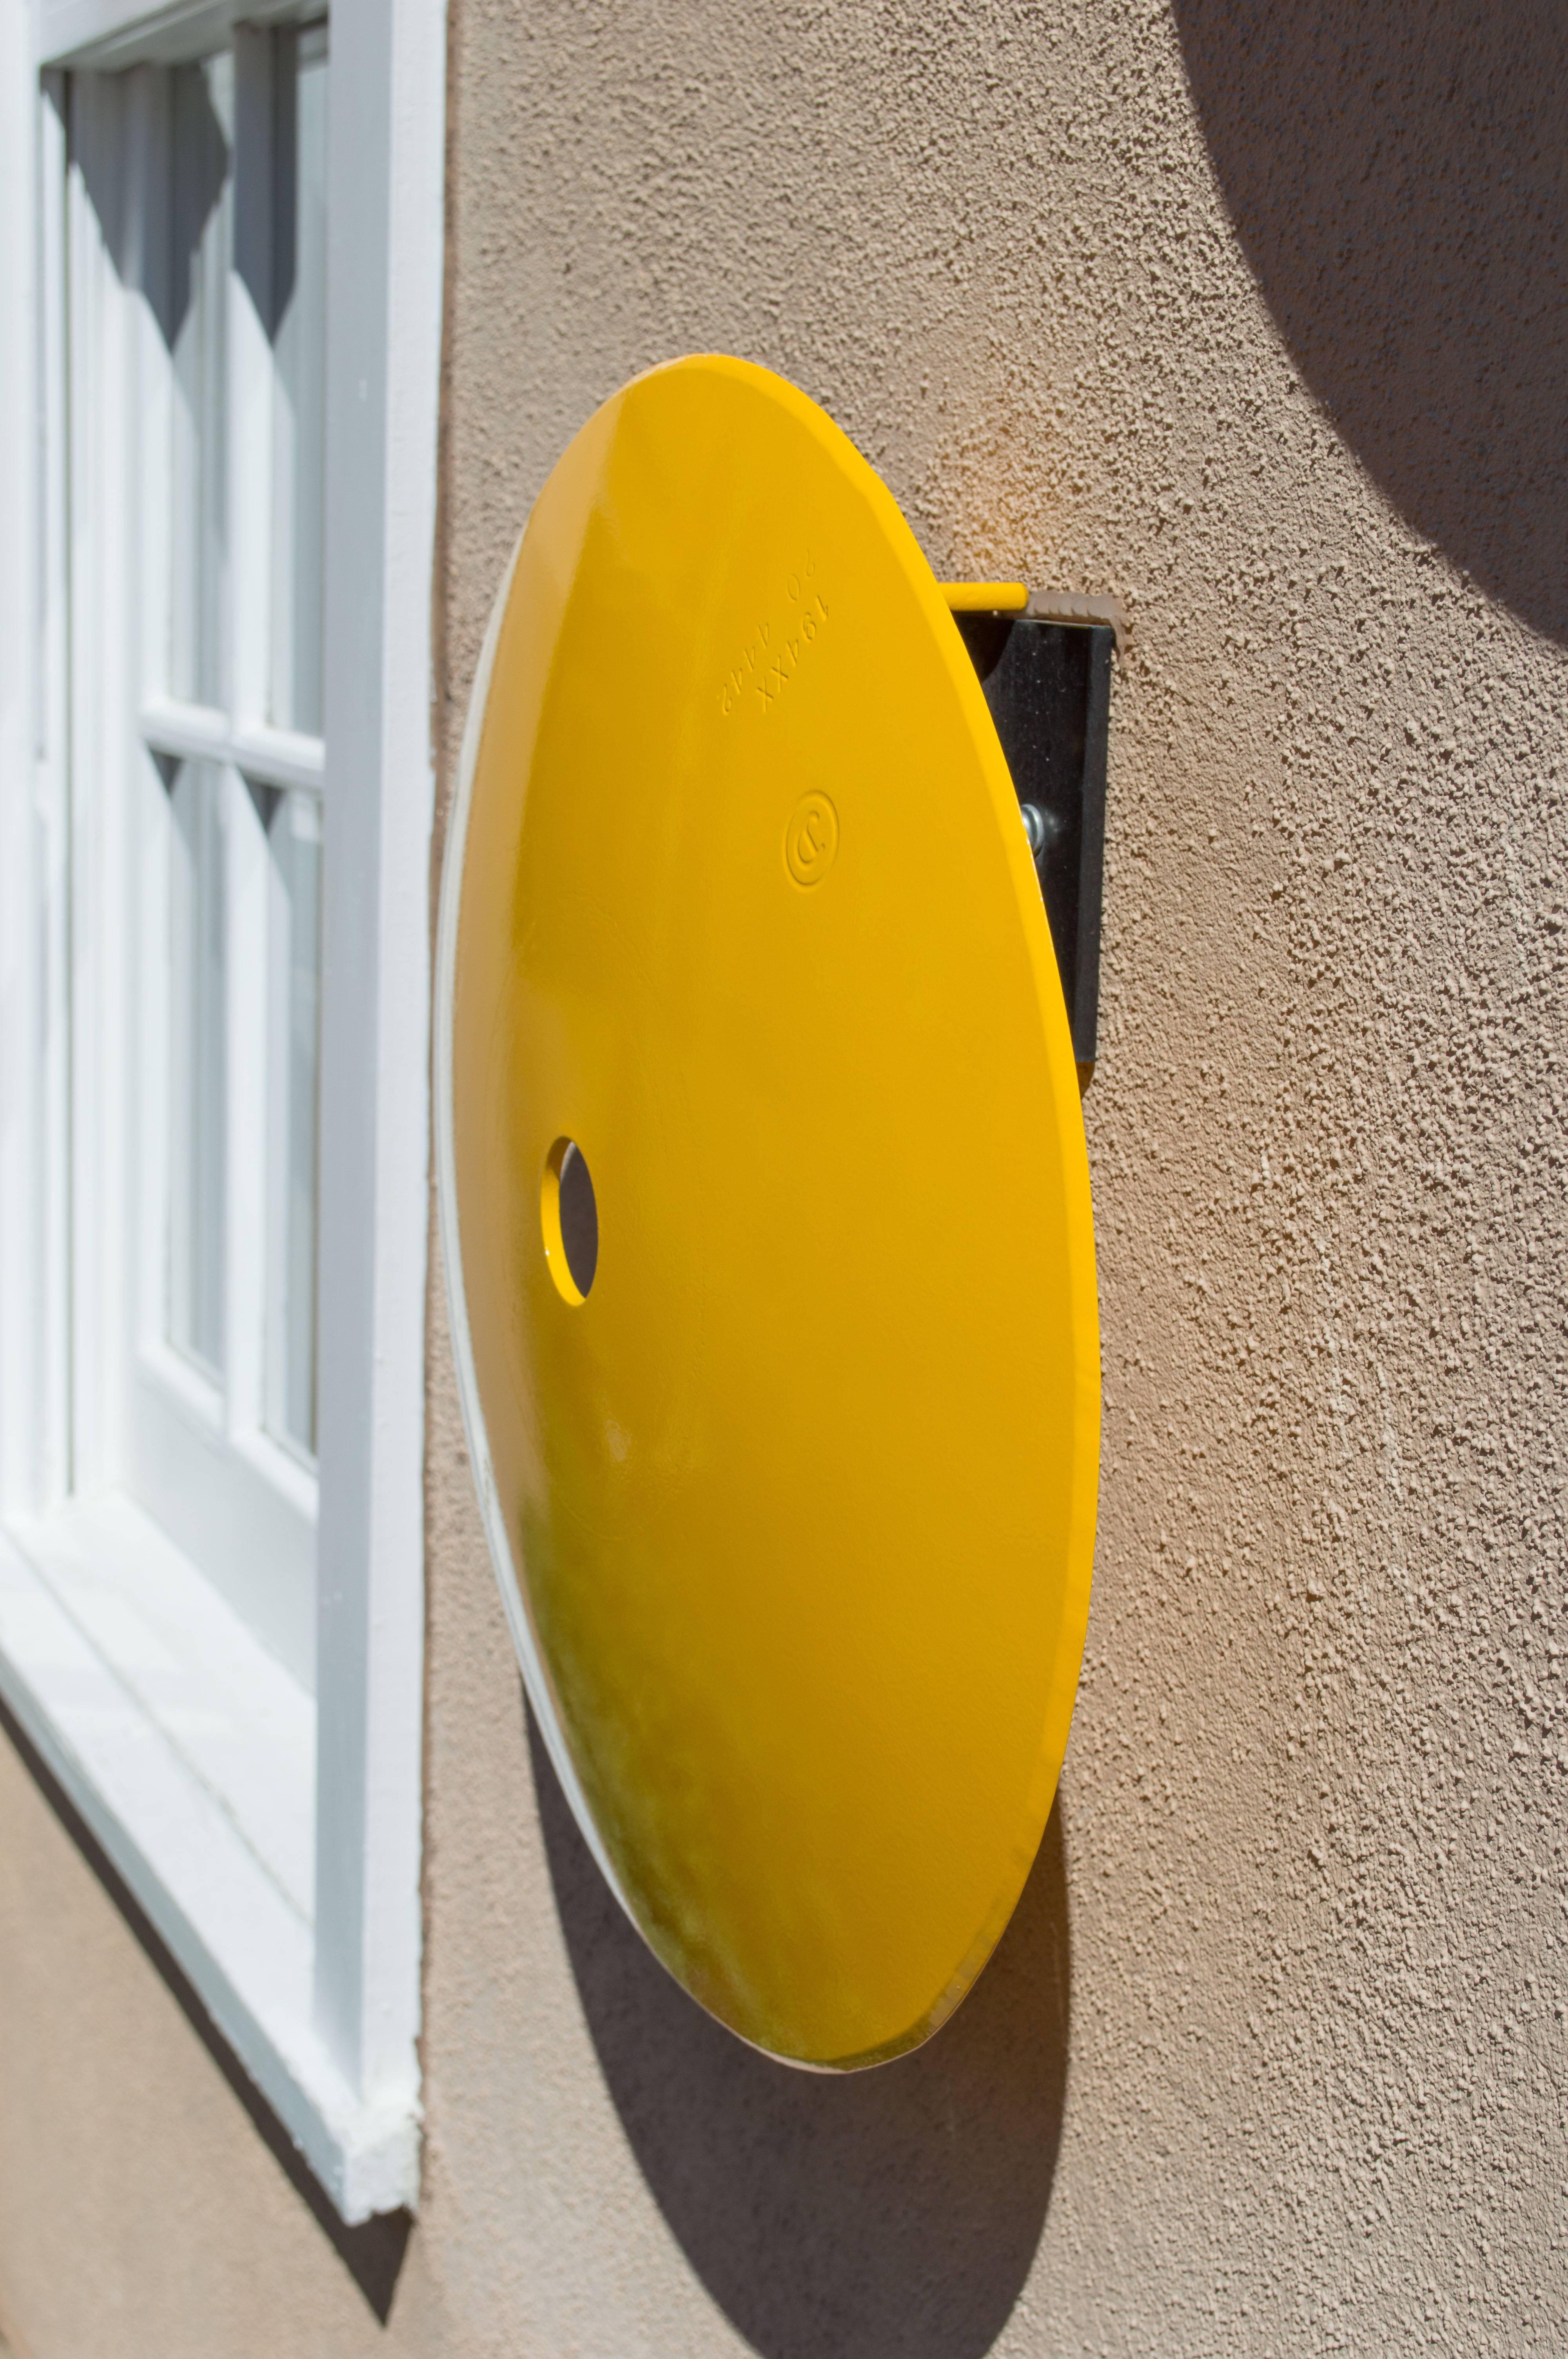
779 645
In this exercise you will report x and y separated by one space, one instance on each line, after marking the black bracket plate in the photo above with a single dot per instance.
1048 687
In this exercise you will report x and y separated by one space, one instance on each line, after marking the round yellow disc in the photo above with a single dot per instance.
789 1471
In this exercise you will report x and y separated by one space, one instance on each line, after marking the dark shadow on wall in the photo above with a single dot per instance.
373 2253
1398 178
887 2215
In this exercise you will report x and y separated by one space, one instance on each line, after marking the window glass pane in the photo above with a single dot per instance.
299 248
198 1095
294 836
201 135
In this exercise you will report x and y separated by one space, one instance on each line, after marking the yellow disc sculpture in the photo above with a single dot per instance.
766 1216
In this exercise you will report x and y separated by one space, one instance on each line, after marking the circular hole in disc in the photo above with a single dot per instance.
569 1216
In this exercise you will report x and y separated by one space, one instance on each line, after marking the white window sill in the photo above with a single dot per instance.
190 1754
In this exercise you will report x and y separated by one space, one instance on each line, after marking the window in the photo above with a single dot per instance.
220 282
225 208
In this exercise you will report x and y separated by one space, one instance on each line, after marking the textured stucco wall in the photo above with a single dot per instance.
1255 317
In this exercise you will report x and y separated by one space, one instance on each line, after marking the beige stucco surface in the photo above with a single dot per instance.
1265 336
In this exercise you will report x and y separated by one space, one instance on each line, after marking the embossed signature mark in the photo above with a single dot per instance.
811 839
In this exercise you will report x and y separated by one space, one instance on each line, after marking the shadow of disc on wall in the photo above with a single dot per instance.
891 2213
1398 181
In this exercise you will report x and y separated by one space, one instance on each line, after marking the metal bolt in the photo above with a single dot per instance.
1042 827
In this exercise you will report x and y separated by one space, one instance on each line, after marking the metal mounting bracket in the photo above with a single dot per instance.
1047 683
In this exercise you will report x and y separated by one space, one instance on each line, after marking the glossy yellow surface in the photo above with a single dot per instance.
800 1498
985 597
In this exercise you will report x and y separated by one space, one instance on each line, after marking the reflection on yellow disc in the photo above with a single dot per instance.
782 1388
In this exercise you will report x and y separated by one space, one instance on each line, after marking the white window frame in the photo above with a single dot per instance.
274 1847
